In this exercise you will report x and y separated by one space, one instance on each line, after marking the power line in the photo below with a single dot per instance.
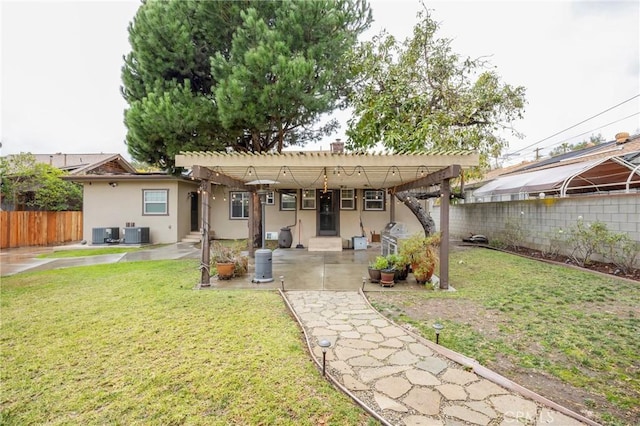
575 125
591 131
582 134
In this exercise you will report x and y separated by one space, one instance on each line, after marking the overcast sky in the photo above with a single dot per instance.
61 67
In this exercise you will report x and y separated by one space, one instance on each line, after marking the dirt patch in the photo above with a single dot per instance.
601 267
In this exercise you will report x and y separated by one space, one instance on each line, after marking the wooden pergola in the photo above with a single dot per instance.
328 170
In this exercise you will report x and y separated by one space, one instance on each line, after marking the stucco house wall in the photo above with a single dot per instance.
302 223
107 205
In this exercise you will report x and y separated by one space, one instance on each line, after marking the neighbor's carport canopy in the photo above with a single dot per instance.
311 169
607 174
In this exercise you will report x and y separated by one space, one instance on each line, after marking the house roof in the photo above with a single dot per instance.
85 163
594 152
611 173
317 169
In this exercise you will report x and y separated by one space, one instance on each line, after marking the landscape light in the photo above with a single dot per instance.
324 344
438 327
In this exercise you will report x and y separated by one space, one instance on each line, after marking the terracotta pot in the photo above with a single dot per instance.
225 270
421 279
387 276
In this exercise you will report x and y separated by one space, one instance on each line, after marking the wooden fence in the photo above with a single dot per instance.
27 228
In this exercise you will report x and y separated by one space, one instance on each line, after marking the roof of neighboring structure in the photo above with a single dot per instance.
602 167
320 169
85 163
607 174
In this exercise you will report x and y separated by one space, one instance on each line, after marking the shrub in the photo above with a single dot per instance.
557 240
513 234
622 251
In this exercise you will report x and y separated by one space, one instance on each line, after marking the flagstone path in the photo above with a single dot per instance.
407 380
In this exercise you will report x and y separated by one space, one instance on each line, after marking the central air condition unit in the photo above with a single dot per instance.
272 235
105 235
136 235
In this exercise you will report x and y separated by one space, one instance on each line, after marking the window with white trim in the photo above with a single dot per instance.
288 200
239 205
308 199
155 201
374 200
347 199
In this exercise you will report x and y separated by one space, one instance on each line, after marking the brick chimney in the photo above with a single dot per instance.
337 147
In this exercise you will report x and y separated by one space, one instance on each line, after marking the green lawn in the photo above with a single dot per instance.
133 343
516 314
64 253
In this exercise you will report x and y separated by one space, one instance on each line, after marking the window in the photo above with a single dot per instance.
374 200
308 199
270 200
288 200
347 199
155 201
239 205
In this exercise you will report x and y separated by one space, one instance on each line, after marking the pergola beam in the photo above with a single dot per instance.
205 173
435 178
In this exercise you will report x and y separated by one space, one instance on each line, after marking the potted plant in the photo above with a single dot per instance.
388 274
228 260
376 267
399 265
422 253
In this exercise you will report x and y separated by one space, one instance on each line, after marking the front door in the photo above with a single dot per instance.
195 225
328 219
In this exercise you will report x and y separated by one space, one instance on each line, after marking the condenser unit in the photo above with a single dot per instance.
105 235
136 235
272 235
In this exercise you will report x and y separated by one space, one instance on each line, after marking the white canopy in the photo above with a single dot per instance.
607 174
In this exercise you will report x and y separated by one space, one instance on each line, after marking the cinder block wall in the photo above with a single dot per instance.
544 217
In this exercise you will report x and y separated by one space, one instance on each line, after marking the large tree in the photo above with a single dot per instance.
419 94
243 75
29 185
250 75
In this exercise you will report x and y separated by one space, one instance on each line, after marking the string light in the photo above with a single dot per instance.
324 188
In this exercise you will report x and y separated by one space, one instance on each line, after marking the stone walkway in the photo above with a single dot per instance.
407 380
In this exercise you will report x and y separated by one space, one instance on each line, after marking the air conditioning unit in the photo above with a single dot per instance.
105 235
136 235
272 235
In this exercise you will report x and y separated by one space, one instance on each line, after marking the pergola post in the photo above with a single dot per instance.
205 275
445 195
251 225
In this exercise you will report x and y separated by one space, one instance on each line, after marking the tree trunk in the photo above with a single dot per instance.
416 208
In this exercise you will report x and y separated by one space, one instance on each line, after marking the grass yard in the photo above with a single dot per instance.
133 343
570 335
65 253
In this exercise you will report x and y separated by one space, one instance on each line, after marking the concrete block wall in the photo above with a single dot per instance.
543 218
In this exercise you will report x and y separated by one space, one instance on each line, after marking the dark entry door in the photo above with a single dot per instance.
194 211
328 213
